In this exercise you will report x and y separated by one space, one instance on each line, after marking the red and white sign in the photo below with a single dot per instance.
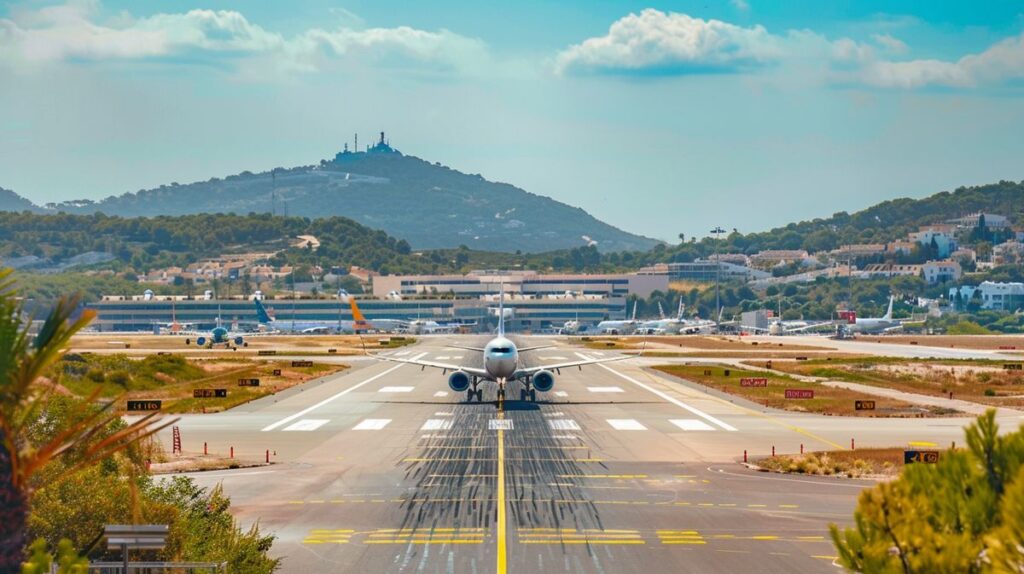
849 316
799 394
753 382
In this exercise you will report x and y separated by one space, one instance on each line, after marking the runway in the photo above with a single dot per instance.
618 469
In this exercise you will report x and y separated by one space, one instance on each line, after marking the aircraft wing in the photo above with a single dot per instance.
535 348
480 349
580 363
433 364
806 327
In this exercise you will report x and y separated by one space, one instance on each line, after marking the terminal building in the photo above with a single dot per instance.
534 303
521 283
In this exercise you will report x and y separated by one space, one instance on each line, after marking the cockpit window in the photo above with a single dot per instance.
501 350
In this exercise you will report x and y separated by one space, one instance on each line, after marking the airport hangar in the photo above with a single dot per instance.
536 302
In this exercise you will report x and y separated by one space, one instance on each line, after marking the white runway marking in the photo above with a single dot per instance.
555 358
372 424
500 424
598 353
564 437
605 389
456 357
331 398
692 425
664 396
443 414
400 353
395 390
307 425
442 358
437 424
441 394
554 414
626 424
561 394
564 424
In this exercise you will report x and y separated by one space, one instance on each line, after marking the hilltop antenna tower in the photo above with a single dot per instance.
357 143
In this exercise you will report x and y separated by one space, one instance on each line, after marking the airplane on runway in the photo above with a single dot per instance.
500 365
623 327
219 336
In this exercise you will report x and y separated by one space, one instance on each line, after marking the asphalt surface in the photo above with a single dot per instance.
619 469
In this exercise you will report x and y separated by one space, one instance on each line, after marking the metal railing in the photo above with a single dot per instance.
158 568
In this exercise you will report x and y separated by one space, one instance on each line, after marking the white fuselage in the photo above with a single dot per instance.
501 358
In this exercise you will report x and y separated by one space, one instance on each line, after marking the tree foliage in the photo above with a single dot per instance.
962 515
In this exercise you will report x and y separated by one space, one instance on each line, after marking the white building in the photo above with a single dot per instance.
996 296
941 271
526 284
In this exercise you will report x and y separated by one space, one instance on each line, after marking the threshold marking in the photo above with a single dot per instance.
395 390
437 424
500 424
664 396
372 424
307 425
334 397
561 394
626 424
692 425
441 394
563 424
605 389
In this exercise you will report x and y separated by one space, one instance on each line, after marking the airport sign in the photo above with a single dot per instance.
302 363
248 382
266 352
923 456
864 405
276 372
1013 366
799 394
209 393
753 382
144 405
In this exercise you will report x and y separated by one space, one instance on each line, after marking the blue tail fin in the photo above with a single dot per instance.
261 312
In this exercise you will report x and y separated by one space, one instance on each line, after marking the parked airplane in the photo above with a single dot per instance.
872 325
219 336
675 325
623 327
500 365
358 324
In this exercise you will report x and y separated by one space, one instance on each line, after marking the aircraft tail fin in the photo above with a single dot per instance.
501 311
261 312
635 305
357 315
888 313
661 311
682 309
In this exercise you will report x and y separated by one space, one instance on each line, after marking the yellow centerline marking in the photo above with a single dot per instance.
502 558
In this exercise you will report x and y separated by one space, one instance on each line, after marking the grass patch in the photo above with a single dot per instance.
827 400
978 380
848 463
174 378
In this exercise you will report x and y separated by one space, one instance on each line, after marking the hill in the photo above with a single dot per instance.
427 204
10 201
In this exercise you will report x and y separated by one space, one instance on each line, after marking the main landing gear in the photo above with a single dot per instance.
475 392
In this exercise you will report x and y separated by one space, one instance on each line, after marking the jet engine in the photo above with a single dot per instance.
201 341
239 340
458 381
543 381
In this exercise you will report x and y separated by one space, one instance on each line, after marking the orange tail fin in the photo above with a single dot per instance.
357 315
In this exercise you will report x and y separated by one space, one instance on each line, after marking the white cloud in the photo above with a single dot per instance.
741 5
659 43
655 41
894 45
71 32
1001 62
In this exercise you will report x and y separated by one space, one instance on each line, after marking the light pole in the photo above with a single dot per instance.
718 271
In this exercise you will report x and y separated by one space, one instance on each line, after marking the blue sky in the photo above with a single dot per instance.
661 118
